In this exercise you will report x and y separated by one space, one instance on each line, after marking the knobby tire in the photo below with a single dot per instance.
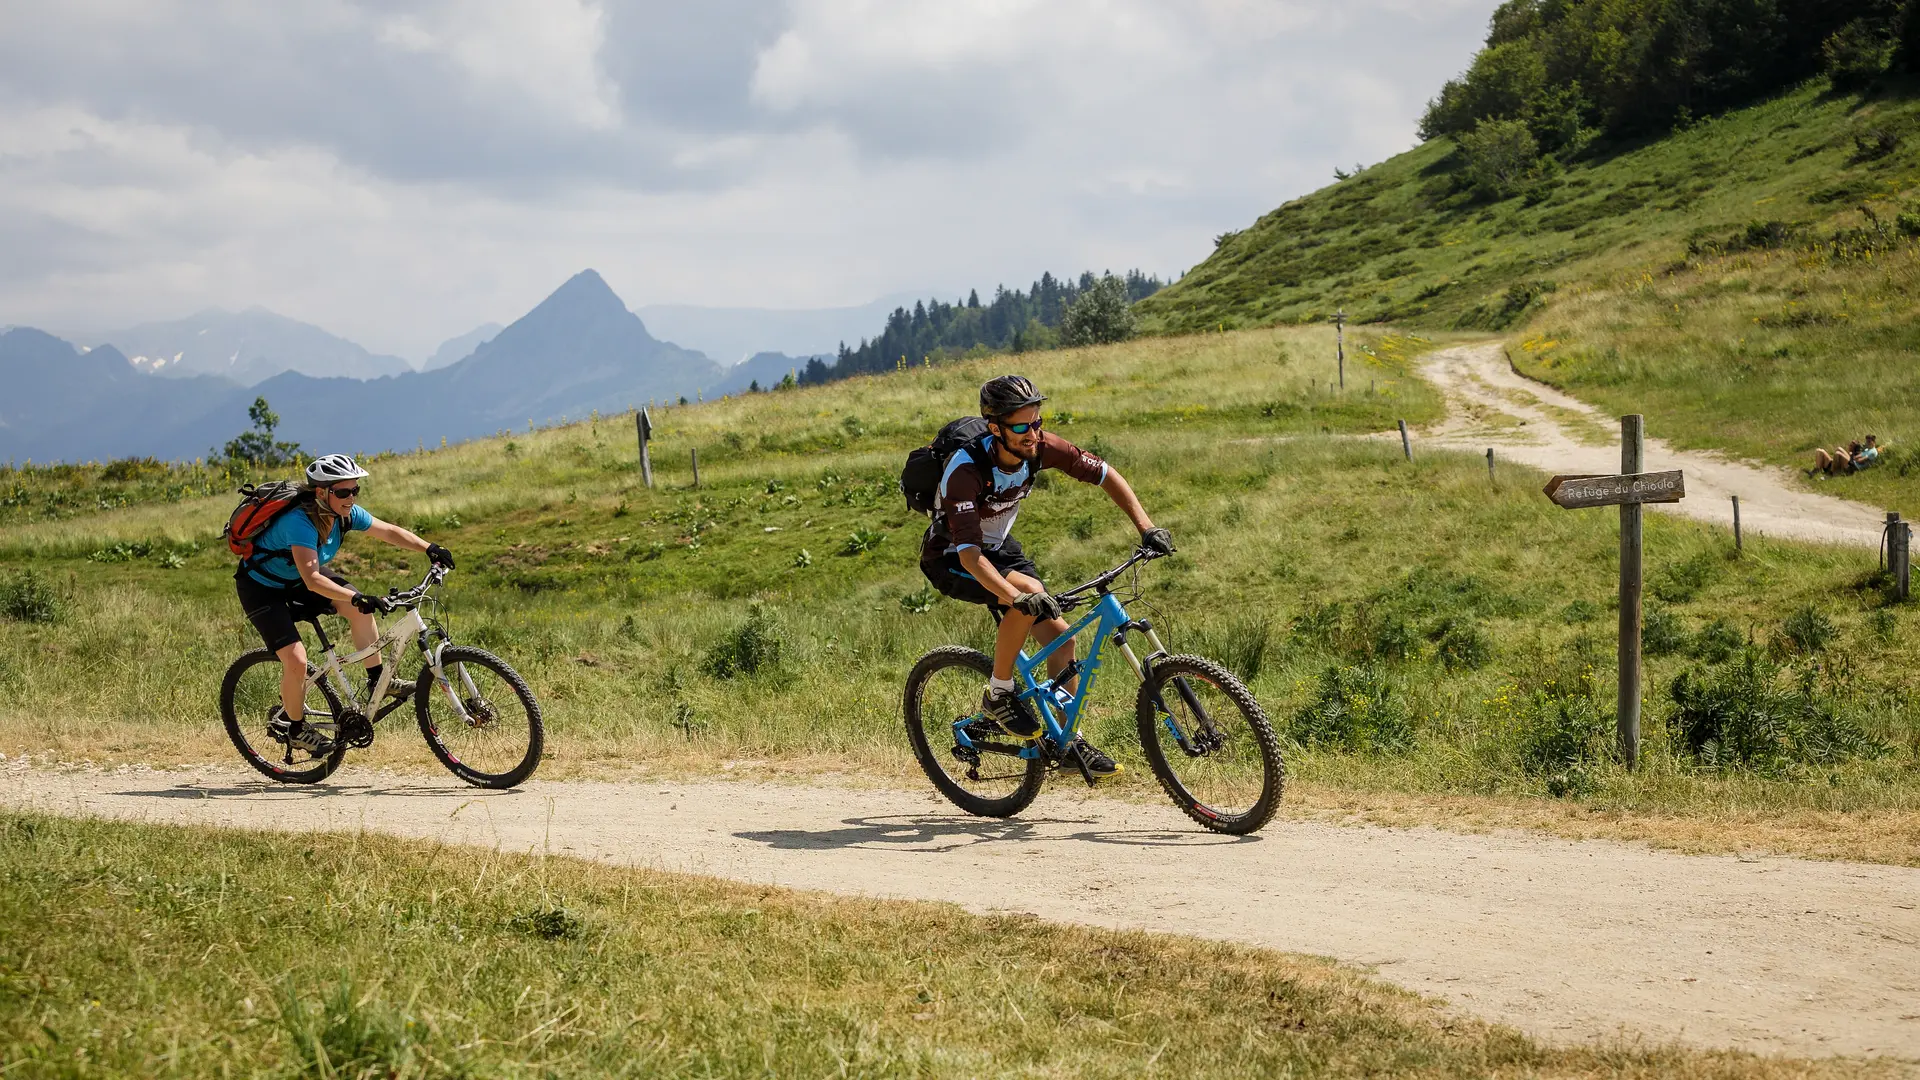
1159 686
925 748
317 769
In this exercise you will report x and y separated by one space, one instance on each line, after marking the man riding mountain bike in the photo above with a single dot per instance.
285 581
970 555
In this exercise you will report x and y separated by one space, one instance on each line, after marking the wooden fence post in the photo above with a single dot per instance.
1406 444
1738 543
643 425
1899 559
1489 464
696 466
1627 702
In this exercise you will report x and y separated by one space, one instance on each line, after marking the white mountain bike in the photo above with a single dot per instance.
476 712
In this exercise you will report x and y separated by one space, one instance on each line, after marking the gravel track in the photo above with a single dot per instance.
1563 434
1566 940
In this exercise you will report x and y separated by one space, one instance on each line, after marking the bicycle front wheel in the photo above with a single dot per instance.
250 694
986 776
1210 744
497 743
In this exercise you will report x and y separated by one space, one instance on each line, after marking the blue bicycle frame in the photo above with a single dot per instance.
1059 713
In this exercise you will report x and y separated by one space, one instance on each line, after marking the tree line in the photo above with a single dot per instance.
1570 71
1013 321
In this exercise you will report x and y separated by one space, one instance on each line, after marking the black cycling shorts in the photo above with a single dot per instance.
952 579
274 612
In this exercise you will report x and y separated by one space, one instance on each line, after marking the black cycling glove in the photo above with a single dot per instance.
371 604
1037 604
439 556
1158 541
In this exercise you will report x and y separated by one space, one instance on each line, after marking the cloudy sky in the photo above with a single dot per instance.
399 171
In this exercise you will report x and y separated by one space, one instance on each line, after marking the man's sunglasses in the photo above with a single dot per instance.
1021 429
348 492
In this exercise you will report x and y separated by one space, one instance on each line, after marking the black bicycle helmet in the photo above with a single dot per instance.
1007 395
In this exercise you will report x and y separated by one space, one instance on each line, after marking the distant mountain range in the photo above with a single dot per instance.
732 335
249 347
454 350
579 350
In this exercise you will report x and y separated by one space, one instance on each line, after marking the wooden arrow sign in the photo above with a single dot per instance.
1582 491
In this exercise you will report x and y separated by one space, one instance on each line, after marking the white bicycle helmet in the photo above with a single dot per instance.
333 468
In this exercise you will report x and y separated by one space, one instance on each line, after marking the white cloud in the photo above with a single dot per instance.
401 170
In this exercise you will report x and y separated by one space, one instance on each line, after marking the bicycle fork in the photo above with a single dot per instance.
1209 731
440 677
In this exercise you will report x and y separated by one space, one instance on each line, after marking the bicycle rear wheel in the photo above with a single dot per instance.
943 696
248 696
498 743
1211 746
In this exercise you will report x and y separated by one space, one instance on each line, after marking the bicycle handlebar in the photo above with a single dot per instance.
412 597
1072 598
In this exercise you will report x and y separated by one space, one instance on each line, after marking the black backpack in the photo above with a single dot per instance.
920 479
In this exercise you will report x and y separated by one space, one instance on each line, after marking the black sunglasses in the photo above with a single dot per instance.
349 492
1021 429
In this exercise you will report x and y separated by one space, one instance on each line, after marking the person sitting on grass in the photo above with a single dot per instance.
969 554
1848 459
285 581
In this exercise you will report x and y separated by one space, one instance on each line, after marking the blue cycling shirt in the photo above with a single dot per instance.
295 529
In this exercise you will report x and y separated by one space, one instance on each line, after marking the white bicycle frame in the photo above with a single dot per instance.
408 627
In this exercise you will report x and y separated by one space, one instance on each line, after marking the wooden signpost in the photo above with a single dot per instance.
1629 490
1340 343
644 425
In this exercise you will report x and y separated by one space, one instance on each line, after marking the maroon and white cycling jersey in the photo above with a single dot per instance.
975 505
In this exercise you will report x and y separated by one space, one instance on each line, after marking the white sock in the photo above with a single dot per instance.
1004 686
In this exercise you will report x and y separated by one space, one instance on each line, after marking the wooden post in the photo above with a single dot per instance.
643 426
1406 444
1489 464
696 466
1737 542
1627 702
1899 559
1340 343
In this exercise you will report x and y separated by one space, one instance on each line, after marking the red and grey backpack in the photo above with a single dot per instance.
260 506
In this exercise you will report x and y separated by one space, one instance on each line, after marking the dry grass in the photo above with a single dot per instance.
132 950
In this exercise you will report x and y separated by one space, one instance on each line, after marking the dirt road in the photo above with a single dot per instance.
1565 940
1492 406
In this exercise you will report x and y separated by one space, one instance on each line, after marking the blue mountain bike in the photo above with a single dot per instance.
1201 730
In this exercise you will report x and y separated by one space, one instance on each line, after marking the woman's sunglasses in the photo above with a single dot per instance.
347 492
1021 429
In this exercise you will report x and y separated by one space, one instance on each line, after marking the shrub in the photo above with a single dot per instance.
1681 582
1740 717
1661 633
28 597
1459 642
1561 736
1099 316
920 602
1502 157
1579 611
1716 642
750 648
1857 53
1805 632
1354 708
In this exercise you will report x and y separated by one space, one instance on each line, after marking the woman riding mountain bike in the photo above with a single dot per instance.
284 581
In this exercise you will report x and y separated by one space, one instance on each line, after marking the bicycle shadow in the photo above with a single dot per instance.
310 791
941 834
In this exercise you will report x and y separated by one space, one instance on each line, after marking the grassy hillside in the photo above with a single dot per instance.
1749 282
1431 643
143 951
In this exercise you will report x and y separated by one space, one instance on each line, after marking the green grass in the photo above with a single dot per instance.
1630 279
1313 562
146 951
